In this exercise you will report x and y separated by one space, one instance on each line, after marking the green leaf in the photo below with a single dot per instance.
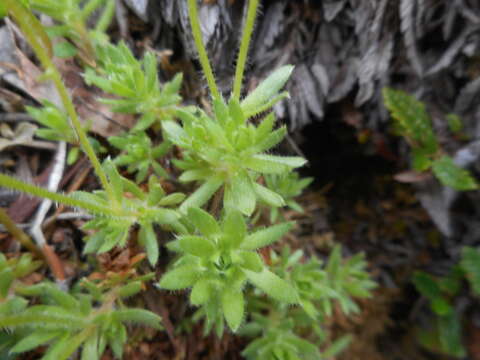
426 285
450 334
233 306
251 261
6 279
172 199
203 221
271 139
266 90
412 118
271 164
197 246
179 278
441 307
268 196
201 292
175 133
450 174
235 227
90 348
266 236
273 286
33 340
421 159
148 238
129 289
139 316
236 112
64 50
239 194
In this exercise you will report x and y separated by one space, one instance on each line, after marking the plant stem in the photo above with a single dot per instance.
38 39
34 190
242 54
202 53
19 234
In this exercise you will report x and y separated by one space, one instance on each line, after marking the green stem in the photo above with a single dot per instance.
38 39
242 54
12 183
202 53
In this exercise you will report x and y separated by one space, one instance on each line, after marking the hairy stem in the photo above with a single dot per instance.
202 53
38 39
242 54
12 183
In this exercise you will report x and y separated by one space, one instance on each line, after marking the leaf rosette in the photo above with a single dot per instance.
219 261
226 150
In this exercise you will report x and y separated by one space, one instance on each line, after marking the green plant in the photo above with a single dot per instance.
219 261
445 335
278 327
139 154
135 83
68 321
414 123
71 18
228 155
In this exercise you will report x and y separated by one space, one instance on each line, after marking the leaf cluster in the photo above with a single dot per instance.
135 84
278 327
415 124
67 322
139 154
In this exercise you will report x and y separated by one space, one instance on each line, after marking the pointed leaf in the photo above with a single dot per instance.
203 221
201 292
139 316
266 236
273 286
234 227
33 340
267 89
149 240
197 246
452 175
268 196
240 195
179 278
233 306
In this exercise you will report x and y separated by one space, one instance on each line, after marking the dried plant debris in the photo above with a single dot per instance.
343 49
